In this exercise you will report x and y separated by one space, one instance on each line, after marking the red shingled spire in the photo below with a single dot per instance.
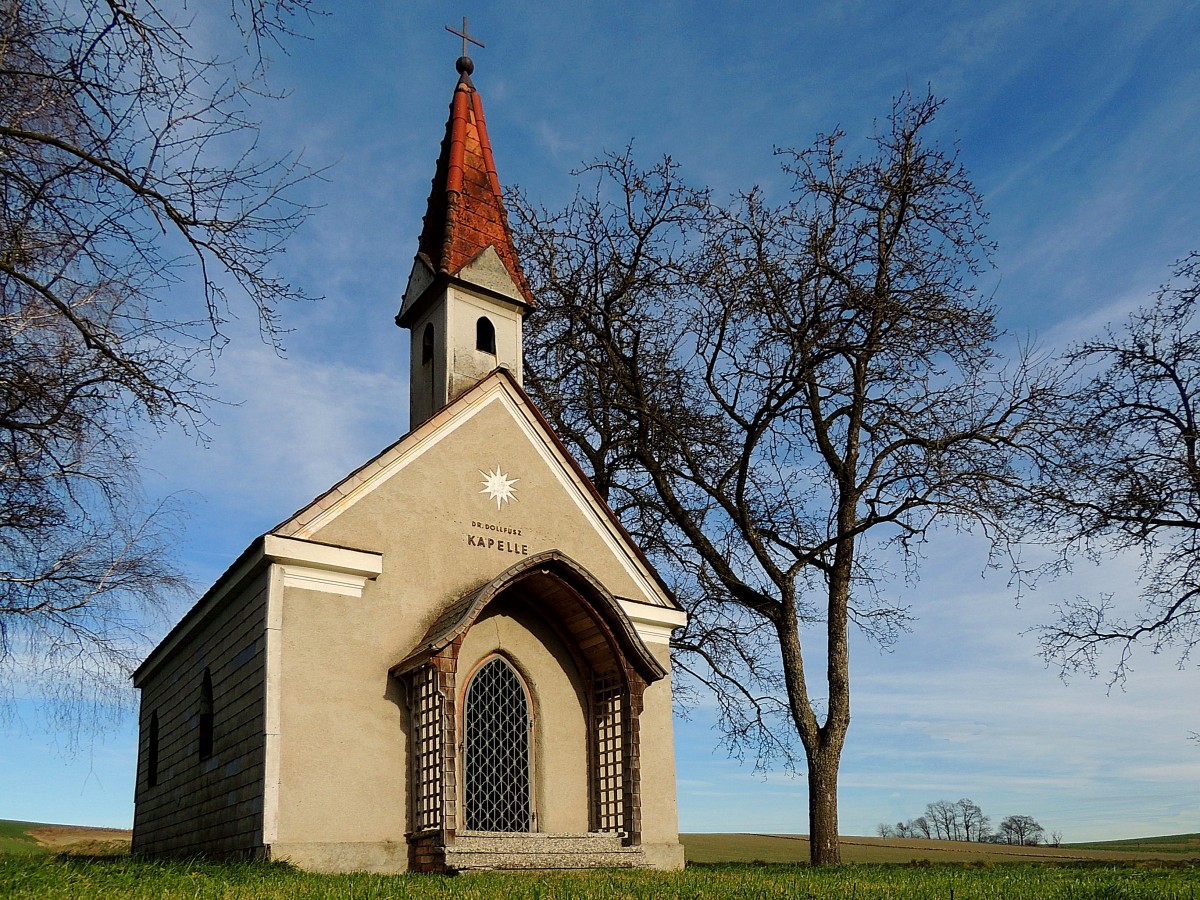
466 211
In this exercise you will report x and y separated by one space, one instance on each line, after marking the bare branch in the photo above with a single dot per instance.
760 388
133 196
1123 473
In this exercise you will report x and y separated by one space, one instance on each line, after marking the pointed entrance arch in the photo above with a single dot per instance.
462 782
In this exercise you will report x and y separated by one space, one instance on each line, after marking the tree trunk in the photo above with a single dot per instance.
824 849
822 744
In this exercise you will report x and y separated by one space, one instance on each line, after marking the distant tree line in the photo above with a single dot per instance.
964 821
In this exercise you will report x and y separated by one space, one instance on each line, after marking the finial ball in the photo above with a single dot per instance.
465 65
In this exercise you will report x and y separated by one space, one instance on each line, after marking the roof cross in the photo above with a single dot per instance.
465 35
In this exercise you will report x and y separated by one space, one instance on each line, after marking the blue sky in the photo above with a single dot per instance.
1080 122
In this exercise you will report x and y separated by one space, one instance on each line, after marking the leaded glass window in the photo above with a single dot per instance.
496 789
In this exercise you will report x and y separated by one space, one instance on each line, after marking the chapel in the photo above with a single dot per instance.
455 657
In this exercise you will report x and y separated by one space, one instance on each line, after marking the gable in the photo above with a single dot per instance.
487 270
480 485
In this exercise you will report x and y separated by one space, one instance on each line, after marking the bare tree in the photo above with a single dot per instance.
1124 475
959 821
779 401
975 825
913 828
919 827
1023 830
128 166
942 816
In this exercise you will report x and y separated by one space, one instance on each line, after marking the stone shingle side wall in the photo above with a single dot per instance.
210 806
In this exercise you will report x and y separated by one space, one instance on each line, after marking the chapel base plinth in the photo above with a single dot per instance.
338 857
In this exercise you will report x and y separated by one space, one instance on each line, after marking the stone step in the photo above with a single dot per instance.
530 840
490 850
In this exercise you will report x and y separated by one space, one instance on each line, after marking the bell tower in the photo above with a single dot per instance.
466 296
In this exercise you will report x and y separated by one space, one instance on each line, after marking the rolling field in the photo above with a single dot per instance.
1186 844
793 848
39 838
15 838
48 862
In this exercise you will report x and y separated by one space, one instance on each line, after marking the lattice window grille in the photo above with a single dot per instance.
428 741
496 750
610 769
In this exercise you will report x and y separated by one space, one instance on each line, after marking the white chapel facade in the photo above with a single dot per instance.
454 658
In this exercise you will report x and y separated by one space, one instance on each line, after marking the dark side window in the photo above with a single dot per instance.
152 752
206 716
485 336
427 344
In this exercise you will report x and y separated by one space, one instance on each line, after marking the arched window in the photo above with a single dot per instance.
152 751
427 345
485 336
206 716
496 789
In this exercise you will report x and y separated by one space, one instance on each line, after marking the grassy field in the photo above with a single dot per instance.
1182 844
15 838
793 848
38 838
52 877
50 862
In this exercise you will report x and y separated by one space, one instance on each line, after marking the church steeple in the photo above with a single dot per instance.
466 296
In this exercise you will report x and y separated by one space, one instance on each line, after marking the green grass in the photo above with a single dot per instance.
84 878
1120 870
1167 843
14 838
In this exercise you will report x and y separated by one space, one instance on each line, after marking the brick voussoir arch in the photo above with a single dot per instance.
561 585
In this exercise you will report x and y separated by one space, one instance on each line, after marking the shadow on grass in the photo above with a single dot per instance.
182 864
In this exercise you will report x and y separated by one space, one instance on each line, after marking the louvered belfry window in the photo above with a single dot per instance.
496 793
